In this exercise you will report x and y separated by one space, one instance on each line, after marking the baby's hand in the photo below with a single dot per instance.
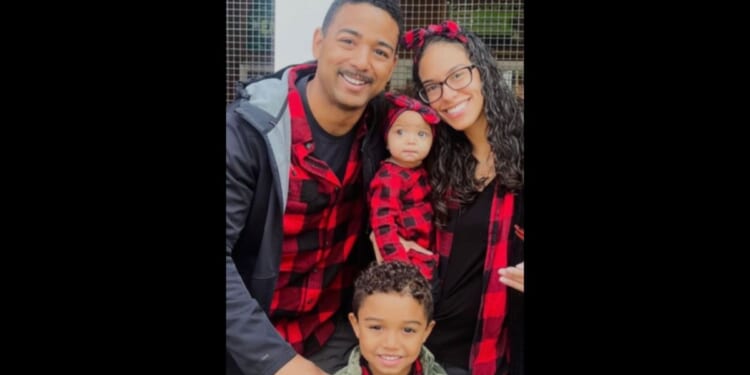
411 245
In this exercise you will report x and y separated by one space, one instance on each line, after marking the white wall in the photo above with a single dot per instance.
294 25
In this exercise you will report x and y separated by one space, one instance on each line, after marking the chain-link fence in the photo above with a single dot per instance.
249 41
250 49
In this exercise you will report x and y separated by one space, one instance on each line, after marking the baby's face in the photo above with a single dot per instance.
391 329
409 139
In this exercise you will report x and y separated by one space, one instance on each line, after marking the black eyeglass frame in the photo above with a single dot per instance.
423 94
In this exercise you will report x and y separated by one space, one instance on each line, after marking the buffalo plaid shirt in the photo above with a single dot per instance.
399 206
320 225
490 344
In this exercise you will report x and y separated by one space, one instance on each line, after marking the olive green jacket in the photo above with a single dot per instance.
429 366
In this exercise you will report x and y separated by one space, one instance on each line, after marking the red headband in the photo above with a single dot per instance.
401 103
414 39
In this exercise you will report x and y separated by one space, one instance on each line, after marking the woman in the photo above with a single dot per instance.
476 173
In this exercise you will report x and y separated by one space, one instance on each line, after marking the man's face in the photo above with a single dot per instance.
356 56
391 329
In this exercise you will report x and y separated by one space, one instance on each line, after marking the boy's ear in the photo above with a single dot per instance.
355 326
428 330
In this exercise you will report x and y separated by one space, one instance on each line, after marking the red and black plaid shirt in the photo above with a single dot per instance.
399 206
490 343
321 223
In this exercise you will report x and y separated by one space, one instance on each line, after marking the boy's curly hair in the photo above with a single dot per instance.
393 277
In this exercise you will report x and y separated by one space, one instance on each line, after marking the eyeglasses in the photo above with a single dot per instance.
456 80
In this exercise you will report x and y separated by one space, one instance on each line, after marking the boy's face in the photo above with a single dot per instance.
409 139
391 329
356 56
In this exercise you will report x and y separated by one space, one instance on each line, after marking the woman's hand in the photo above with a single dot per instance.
512 276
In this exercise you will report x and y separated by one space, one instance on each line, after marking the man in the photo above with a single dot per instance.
301 145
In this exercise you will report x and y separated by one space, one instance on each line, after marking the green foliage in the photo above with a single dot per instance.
490 22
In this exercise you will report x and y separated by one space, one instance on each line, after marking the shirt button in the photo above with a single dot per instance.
308 145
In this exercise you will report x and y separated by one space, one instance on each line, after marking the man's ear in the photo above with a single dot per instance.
353 322
317 42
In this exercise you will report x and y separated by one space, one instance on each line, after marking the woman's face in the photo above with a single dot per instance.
445 61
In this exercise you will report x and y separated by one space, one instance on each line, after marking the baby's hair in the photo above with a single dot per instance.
393 277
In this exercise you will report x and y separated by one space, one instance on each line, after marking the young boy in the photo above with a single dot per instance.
399 192
392 318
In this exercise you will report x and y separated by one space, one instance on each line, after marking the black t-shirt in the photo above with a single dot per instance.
334 150
457 311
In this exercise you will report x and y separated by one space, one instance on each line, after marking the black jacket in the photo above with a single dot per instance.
258 136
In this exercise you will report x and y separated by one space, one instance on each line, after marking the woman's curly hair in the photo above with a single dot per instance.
451 164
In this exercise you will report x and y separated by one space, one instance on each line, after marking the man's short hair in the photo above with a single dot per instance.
393 7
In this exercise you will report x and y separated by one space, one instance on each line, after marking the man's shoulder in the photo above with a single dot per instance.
260 105
244 124
269 92
244 118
